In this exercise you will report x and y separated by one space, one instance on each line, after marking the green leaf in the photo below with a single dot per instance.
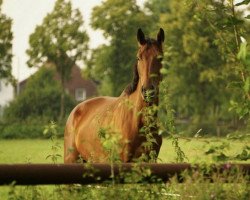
247 17
210 151
243 51
245 2
164 71
221 157
244 155
231 21
247 85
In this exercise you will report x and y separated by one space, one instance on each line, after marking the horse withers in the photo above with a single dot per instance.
118 115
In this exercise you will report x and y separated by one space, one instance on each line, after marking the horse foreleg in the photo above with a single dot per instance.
71 154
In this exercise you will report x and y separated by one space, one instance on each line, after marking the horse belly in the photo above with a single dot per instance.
89 145
94 131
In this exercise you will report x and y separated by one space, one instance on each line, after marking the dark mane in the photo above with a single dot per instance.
133 85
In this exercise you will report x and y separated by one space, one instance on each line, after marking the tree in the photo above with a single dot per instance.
157 7
201 50
60 39
6 37
39 99
112 64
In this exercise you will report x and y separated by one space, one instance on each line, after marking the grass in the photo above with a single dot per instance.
36 151
24 151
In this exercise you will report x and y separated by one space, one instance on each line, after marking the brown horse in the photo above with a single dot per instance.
118 115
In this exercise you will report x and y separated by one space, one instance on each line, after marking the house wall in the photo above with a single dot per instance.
73 86
77 82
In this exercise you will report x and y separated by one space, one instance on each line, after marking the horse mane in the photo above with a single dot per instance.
133 85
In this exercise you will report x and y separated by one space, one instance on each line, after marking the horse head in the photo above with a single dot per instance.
149 58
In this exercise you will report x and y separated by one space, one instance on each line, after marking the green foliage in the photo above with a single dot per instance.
40 98
112 64
202 65
155 9
21 130
149 130
6 37
242 105
51 130
166 115
220 154
60 40
194 186
110 141
31 128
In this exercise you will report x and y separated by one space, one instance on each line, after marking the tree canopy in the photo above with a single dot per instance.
112 64
6 37
206 60
62 40
201 61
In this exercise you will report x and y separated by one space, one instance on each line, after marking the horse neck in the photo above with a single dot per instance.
137 100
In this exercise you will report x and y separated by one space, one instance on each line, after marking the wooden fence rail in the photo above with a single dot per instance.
38 174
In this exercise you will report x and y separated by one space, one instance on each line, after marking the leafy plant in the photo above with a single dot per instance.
166 111
219 154
52 131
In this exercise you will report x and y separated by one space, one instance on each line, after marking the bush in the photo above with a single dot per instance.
21 131
28 129
40 98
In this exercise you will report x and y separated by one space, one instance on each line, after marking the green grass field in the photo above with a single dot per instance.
36 151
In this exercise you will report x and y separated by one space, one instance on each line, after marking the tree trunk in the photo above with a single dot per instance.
62 103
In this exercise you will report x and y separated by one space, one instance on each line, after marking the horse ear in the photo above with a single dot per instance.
141 37
160 36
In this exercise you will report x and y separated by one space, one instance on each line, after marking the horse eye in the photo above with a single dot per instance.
138 58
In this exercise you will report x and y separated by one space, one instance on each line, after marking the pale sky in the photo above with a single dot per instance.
26 14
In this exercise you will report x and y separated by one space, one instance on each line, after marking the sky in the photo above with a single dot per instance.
27 14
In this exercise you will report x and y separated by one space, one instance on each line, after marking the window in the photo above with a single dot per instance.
80 94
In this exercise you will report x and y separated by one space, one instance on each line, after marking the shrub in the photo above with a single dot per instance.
27 129
40 98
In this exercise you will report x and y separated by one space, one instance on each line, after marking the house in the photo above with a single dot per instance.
7 93
77 87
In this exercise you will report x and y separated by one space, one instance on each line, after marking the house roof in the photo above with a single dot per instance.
76 81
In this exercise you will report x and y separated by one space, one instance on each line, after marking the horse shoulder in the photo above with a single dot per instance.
84 110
